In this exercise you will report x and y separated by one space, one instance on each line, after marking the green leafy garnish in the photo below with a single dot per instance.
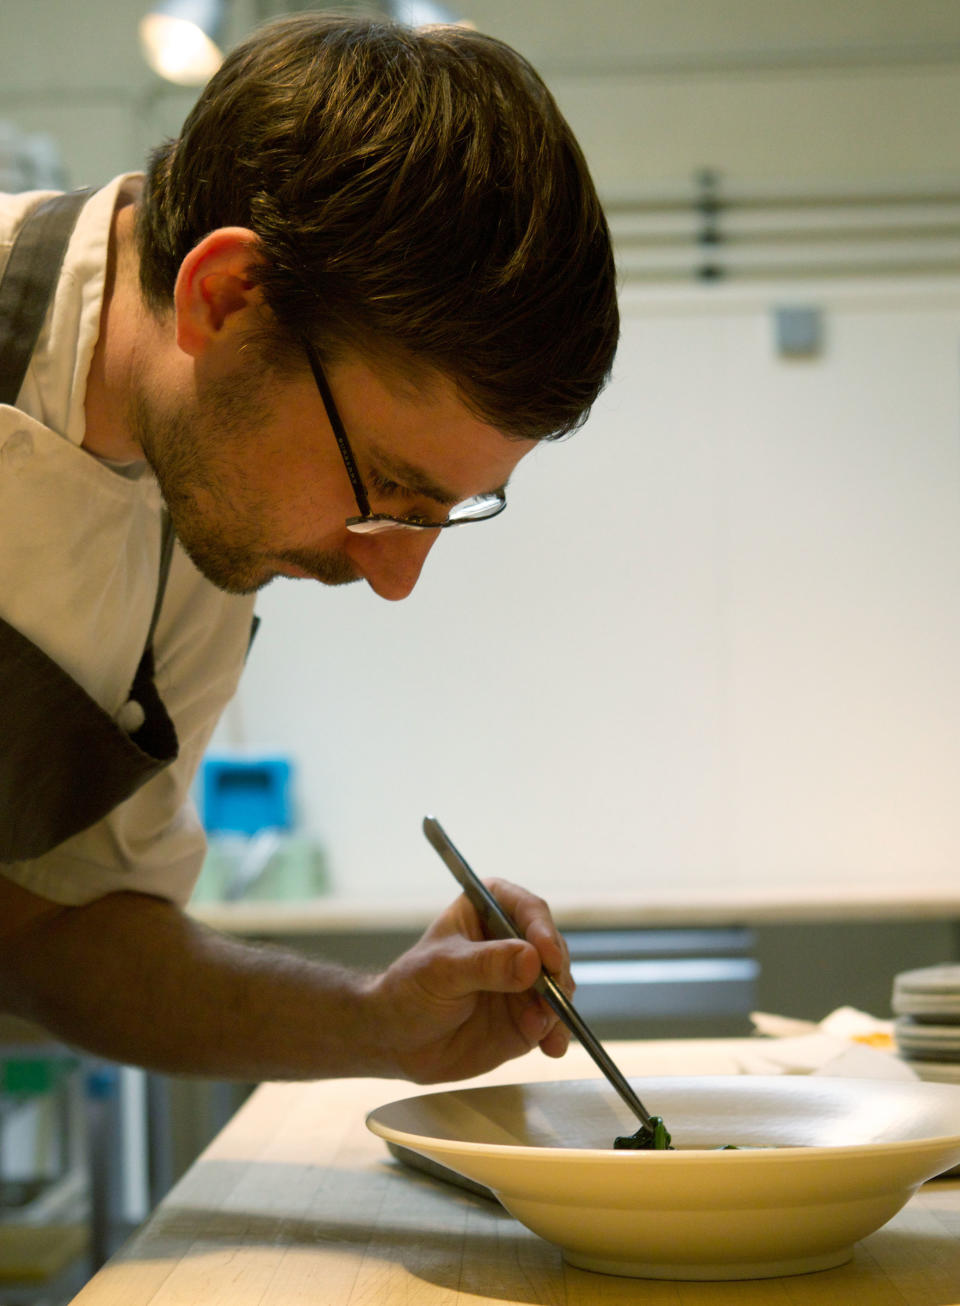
654 1137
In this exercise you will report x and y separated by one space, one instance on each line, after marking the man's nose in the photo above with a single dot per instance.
391 562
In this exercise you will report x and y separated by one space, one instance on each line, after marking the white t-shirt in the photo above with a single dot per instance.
79 560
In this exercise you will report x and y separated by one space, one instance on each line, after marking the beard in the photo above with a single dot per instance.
219 512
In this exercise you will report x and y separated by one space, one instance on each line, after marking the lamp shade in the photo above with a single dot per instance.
181 39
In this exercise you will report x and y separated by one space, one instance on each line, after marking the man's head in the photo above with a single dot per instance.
415 195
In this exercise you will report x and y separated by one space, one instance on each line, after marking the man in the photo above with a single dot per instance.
369 276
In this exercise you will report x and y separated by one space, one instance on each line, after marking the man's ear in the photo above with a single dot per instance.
214 288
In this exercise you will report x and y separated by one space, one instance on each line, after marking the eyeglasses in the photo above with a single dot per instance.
478 508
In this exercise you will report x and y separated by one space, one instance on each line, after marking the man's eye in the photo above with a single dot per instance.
383 485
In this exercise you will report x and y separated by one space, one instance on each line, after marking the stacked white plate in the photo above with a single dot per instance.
926 1004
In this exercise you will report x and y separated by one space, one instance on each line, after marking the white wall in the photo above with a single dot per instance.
713 641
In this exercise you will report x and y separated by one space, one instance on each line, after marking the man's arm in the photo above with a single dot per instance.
134 979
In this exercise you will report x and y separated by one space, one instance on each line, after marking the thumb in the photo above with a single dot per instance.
493 966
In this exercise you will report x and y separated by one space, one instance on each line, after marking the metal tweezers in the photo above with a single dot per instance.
498 925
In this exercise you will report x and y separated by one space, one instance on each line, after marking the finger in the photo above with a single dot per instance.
556 1041
529 913
460 967
532 917
534 1021
540 1024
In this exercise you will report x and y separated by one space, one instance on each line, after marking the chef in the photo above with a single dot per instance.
369 276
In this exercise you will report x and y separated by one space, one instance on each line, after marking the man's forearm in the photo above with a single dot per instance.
134 979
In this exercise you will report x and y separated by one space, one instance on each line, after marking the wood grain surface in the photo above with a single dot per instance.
297 1204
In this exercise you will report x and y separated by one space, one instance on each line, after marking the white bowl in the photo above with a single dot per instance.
837 1158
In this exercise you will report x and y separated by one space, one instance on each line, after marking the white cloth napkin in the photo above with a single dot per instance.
834 1046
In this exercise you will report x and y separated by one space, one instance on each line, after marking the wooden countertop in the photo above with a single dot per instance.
297 1204
732 907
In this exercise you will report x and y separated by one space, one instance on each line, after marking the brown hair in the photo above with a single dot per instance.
414 190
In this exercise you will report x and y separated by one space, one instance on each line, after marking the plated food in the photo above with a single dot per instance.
817 1163
656 1138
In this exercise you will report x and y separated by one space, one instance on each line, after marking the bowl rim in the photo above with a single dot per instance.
677 1156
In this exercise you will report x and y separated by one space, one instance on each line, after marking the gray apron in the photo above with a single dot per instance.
64 762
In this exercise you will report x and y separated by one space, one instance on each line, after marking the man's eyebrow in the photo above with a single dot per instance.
417 479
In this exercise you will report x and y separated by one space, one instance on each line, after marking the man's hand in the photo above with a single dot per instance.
457 1004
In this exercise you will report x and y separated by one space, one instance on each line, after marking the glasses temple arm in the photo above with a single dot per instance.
340 435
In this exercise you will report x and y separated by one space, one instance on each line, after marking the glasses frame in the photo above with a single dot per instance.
367 521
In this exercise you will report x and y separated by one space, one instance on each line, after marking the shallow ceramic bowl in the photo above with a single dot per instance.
836 1159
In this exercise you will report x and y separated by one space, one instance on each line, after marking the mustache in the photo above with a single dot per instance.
326 565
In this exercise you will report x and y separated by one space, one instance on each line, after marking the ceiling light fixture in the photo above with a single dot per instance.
423 13
182 40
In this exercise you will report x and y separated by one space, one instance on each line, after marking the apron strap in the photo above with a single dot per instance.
32 270
26 288
64 762
167 540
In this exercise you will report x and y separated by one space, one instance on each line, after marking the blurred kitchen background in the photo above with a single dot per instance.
700 685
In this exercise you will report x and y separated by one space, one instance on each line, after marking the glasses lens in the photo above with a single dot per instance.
477 508
377 525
